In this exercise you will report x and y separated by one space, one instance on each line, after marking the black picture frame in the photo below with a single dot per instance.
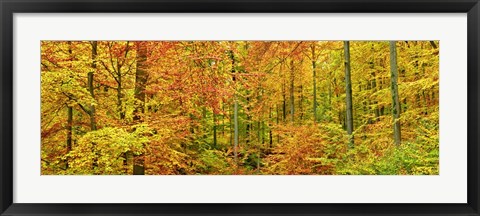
9 7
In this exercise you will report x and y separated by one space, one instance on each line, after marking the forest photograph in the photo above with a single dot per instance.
240 107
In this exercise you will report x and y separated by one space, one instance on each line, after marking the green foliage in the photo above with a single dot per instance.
410 158
102 152
214 162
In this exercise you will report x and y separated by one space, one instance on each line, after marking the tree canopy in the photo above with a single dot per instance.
239 107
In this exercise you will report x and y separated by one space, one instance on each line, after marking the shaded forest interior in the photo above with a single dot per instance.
239 107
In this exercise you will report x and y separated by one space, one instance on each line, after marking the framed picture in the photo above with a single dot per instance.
248 108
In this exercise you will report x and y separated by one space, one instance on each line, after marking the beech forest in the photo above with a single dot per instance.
239 107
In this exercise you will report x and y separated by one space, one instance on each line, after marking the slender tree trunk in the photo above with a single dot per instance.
300 104
348 90
248 121
417 76
223 120
230 123
261 122
204 118
284 107
69 117
314 70
140 82
394 87
69 129
374 84
235 123
263 131
284 94
259 131
330 94
270 128
374 87
214 130
235 111
278 120
93 124
119 97
292 96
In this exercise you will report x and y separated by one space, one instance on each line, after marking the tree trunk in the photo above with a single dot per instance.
235 111
214 130
69 116
300 104
69 130
119 97
374 84
278 120
93 124
230 123
235 124
140 81
248 121
292 87
348 90
284 94
270 128
223 120
394 88
314 66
